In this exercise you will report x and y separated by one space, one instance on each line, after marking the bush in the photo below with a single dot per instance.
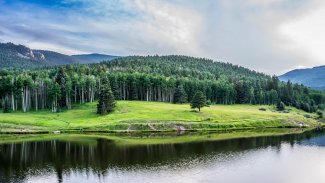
321 107
6 106
208 103
280 106
308 116
320 113
262 109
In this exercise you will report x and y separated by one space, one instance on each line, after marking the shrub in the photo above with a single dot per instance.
308 116
262 109
320 113
280 106
321 107
208 103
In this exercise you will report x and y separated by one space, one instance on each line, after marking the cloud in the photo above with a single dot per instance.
256 34
307 33
249 33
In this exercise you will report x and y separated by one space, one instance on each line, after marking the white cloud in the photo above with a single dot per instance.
307 33
169 25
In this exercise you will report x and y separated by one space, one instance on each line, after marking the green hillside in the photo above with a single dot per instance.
150 78
14 56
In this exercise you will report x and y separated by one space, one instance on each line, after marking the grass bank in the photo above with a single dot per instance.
154 116
150 138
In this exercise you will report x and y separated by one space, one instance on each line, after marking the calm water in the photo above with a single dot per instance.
287 159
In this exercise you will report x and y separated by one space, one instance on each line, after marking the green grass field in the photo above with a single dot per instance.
153 116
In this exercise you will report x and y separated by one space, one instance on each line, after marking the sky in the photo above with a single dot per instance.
270 36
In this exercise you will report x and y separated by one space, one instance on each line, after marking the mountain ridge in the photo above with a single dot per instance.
21 56
312 77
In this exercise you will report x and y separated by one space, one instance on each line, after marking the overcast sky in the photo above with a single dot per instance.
271 36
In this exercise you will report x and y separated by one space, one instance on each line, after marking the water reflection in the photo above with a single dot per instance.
98 158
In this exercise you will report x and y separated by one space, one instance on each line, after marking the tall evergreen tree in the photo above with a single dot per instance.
180 96
6 105
133 91
115 89
106 102
61 80
198 101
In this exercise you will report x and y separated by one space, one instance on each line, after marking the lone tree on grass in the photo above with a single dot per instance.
198 101
106 102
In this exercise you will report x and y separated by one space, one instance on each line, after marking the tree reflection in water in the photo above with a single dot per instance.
99 156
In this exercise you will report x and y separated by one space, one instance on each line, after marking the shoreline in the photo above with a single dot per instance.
217 130
155 138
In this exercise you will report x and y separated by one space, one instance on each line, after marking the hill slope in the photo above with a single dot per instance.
182 66
93 58
173 79
313 77
20 56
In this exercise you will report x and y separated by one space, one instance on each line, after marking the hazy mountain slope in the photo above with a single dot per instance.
93 58
313 77
58 58
20 56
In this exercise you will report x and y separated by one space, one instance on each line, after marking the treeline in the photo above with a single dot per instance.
172 79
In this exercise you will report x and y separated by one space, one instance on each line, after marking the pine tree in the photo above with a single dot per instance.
198 101
61 80
133 91
101 106
6 106
106 102
111 103
180 95
115 89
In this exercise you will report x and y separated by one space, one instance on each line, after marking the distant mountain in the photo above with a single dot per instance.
58 58
312 77
20 56
94 58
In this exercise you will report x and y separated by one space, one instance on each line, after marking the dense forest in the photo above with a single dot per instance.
173 79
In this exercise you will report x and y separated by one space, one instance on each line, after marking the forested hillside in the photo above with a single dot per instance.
20 56
151 78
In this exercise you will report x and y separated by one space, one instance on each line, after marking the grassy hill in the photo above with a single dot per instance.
154 116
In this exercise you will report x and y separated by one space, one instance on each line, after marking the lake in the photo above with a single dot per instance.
298 158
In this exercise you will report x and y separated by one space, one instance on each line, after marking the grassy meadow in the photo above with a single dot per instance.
153 116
